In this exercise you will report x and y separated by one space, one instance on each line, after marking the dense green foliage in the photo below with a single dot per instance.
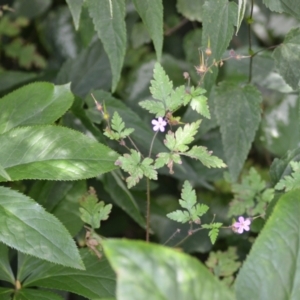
149 149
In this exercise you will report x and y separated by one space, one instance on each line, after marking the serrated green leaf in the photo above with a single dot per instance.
75 8
96 282
199 104
176 99
213 234
208 160
33 104
190 9
180 276
154 107
275 255
122 197
290 182
287 60
151 13
161 86
35 231
108 18
238 112
6 273
179 216
288 6
53 153
118 126
199 210
188 196
218 19
241 13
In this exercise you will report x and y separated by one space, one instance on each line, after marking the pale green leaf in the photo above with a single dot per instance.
199 104
192 10
208 160
35 103
238 112
275 256
4 174
179 216
288 6
75 8
287 60
241 13
108 18
188 196
53 153
164 274
154 107
27 227
96 282
151 13
218 20
292 181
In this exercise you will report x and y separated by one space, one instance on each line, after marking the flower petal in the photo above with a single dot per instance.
241 220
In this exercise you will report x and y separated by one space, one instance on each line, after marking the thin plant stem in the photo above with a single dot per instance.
171 237
133 144
250 41
187 236
148 211
152 142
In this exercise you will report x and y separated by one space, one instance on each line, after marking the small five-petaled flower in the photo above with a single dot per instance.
159 124
241 225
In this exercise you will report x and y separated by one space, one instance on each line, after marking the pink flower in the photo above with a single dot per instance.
159 124
241 225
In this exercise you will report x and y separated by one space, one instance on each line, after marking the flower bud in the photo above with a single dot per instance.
208 52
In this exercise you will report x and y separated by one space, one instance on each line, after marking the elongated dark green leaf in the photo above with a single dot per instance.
10 79
151 12
289 6
23 9
163 273
190 9
119 192
287 58
75 8
108 18
54 153
61 198
275 256
89 70
36 103
6 272
218 19
97 282
27 227
238 114
33 294
5 293
241 13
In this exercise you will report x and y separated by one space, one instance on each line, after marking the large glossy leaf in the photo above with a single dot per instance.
151 12
289 6
219 18
75 8
53 153
272 270
148 271
287 58
27 227
61 198
122 197
36 103
6 272
238 114
108 18
96 282
5 293
89 70
31 294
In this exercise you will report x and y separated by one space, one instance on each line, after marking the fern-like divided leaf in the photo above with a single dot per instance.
292 181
